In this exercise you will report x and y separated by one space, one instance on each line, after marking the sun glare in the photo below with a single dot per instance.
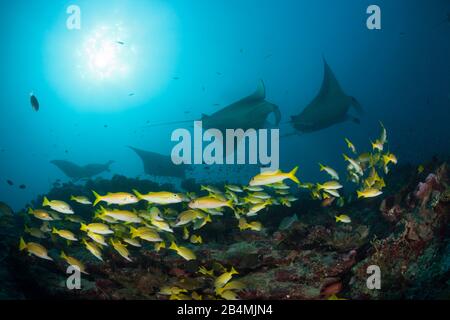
105 54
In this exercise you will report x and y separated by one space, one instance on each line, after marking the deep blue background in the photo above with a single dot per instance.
400 74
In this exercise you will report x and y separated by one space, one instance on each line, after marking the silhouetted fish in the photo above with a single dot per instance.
10 182
34 102
22 186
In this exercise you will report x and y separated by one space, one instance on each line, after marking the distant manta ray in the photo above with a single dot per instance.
249 112
329 107
159 165
77 172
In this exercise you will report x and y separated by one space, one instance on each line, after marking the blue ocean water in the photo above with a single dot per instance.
180 59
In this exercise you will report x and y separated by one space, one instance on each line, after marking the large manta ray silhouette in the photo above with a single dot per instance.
159 165
77 172
329 107
249 112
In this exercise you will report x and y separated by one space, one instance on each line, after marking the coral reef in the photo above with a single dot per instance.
405 233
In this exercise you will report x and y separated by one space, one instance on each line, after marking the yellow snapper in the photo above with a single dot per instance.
81 199
329 185
66 234
166 290
187 216
233 188
41 214
209 202
146 234
184 252
229 295
74 262
244 225
206 272
333 174
35 249
271 177
133 242
119 198
355 165
232 285
97 238
121 249
388 158
57 205
161 197
350 145
121 215
99 228
196 239
223 279
368 193
343 218
159 246
35 232
94 249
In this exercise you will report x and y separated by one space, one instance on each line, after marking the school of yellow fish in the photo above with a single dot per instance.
117 226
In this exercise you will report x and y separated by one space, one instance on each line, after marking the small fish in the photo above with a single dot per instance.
57 205
206 272
22 186
119 198
209 202
159 246
271 177
377 145
167 291
420 169
35 232
9 182
34 248
98 228
187 216
121 249
244 225
120 42
97 238
41 214
330 185
388 158
94 249
133 242
368 193
350 145
80 199
354 164
146 234
232 285
66 234
184 252
34 102
121 215
196 239
162 197
74 262
254 188
333 174
223 279
343 218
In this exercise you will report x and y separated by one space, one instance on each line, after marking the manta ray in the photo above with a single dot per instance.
159 165
329 107
249 112
77 172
